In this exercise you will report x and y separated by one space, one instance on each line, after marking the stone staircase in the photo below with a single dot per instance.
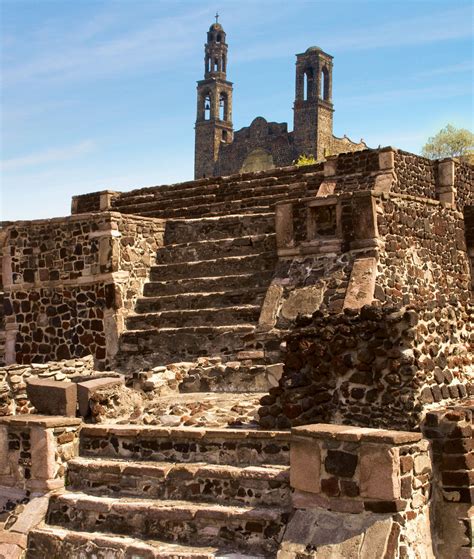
150 492
210 278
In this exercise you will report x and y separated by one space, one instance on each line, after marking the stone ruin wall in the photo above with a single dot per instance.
381 367
70 281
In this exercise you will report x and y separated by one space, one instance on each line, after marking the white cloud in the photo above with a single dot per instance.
431 28
52 155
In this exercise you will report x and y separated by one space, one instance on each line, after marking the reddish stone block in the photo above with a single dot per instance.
87 388
51 397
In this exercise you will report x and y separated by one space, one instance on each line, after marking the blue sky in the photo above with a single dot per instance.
101 94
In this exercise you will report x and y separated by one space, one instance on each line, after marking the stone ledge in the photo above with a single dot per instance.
46 421
181 432
355 434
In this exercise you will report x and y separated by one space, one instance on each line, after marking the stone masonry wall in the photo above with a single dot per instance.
358 493
450 430
424 255
70 281
463 181
381 367
416 175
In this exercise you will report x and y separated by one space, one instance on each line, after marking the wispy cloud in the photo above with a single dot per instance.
88 54
461 67
411 94
435 27
52 155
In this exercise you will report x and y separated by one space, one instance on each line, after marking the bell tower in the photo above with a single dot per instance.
214 104
313 108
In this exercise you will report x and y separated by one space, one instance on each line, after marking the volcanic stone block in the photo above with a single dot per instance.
52 397
87 388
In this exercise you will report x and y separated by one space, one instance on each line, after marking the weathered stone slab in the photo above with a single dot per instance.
379 472
87 388
53 397
305 460
360 290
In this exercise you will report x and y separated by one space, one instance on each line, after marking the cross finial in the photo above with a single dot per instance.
217 17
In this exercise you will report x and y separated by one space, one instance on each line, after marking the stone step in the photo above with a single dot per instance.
212 195
256 529
208 228
221 408
56 543
205 300
154 347
211 284
209 249
229 265
313 175
202 211
181 207
245 447
239 314
200 482
222 186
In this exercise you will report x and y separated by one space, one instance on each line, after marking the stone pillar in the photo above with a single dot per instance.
445 186
359 488
34 450
451 433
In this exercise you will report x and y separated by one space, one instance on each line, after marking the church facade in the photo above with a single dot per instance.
219 151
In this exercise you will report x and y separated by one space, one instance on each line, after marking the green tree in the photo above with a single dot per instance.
450 142
304 160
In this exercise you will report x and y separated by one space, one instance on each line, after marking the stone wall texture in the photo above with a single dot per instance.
69 282
375 368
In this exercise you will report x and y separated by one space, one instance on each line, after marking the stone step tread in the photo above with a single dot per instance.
210 192
224 218
202 294
146 431
202 211
226 328
230 277
192 312
241 203
286 175
171 470
218 242
217 261
134 547
177 510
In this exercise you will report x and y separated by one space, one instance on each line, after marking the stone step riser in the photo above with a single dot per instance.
151 348
200 212
311 176
82 545
200 301
212 206
194 252
223 228
212 268
217 193
199 317
198 285
183 483
151 446
251 533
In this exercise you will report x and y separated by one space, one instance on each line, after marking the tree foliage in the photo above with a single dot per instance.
451 142
304 159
